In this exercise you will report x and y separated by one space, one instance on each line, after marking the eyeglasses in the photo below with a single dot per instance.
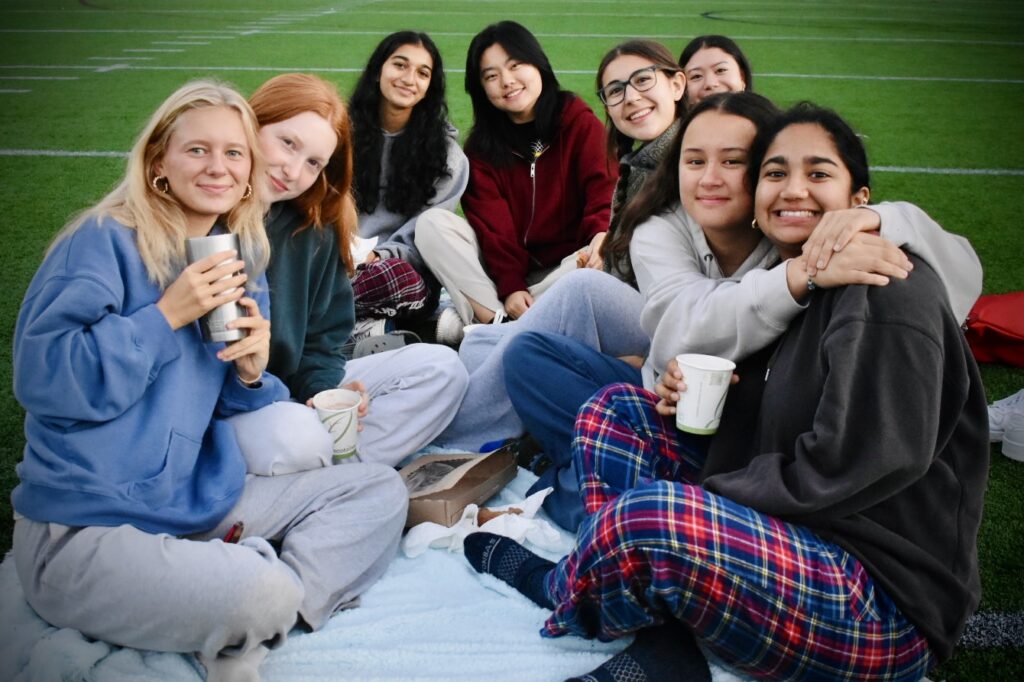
642 80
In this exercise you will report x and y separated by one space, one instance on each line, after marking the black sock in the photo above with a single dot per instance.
663 652
509 561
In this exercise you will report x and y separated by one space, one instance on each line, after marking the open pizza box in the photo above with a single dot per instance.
441 486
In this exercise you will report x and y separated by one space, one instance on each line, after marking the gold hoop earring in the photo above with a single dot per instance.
754 225
166 189
248 191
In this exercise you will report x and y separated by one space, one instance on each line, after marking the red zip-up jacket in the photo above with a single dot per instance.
533 213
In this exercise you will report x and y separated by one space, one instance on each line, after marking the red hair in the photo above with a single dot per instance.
329 200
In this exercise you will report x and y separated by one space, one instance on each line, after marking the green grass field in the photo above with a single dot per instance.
936 87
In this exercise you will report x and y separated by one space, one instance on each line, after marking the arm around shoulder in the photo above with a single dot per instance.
950 255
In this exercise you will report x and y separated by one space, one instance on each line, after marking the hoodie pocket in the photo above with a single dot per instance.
179 461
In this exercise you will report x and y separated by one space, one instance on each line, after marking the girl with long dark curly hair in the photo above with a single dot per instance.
407 159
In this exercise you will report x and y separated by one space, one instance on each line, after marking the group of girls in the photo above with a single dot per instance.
190 480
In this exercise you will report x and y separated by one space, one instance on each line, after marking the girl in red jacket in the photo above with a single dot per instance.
540 186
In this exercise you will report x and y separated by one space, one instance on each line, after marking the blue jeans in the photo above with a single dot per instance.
548 378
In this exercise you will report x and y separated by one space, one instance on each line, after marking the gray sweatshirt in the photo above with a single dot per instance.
691 307
395 232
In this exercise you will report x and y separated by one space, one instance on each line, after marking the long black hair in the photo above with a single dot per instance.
661 193
492 128
419 156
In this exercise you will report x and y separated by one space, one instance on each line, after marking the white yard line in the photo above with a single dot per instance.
62 153
542 34
38 78
13 91
575 72
909 170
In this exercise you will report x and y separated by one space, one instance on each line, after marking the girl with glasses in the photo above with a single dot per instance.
407 159
587 304
539 191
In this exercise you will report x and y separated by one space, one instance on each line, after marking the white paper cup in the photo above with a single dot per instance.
338 410
707 379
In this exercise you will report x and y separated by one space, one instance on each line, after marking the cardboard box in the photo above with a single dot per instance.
441 486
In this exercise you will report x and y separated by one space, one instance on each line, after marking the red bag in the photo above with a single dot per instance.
995 328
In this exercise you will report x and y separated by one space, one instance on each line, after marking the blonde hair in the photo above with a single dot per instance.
157 217
329 200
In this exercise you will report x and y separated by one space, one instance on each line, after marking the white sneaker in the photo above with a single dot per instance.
449 328
999 414
1013 438
371 326
364 329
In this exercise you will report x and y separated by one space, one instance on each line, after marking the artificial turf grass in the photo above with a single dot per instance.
906 123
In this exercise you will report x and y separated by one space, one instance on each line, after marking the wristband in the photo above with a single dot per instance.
255 383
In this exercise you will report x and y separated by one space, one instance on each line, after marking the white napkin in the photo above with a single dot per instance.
523 527
361 248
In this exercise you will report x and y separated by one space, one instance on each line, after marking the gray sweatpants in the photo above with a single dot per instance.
589 306
450 249
414 392
337 529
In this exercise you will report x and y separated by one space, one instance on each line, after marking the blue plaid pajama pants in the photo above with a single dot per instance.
770 598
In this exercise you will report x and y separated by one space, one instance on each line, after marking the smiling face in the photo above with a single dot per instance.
709 71
207 165
642 115
802 176
296 151
712 171
511 86
405 77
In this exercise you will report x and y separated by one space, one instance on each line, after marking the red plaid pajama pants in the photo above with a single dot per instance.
770 598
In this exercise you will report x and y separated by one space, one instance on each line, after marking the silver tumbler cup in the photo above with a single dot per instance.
213 323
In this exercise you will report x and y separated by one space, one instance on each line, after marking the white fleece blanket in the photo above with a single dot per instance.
428 618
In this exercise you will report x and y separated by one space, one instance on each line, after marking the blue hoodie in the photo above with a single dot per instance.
124 415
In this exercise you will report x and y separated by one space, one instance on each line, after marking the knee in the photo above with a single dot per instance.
282 438
268 596
390 494
445 367
432 228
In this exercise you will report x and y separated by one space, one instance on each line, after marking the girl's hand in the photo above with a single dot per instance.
594 259
199 288
250 354
364 404
866 259
834 232
517 303
670 385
